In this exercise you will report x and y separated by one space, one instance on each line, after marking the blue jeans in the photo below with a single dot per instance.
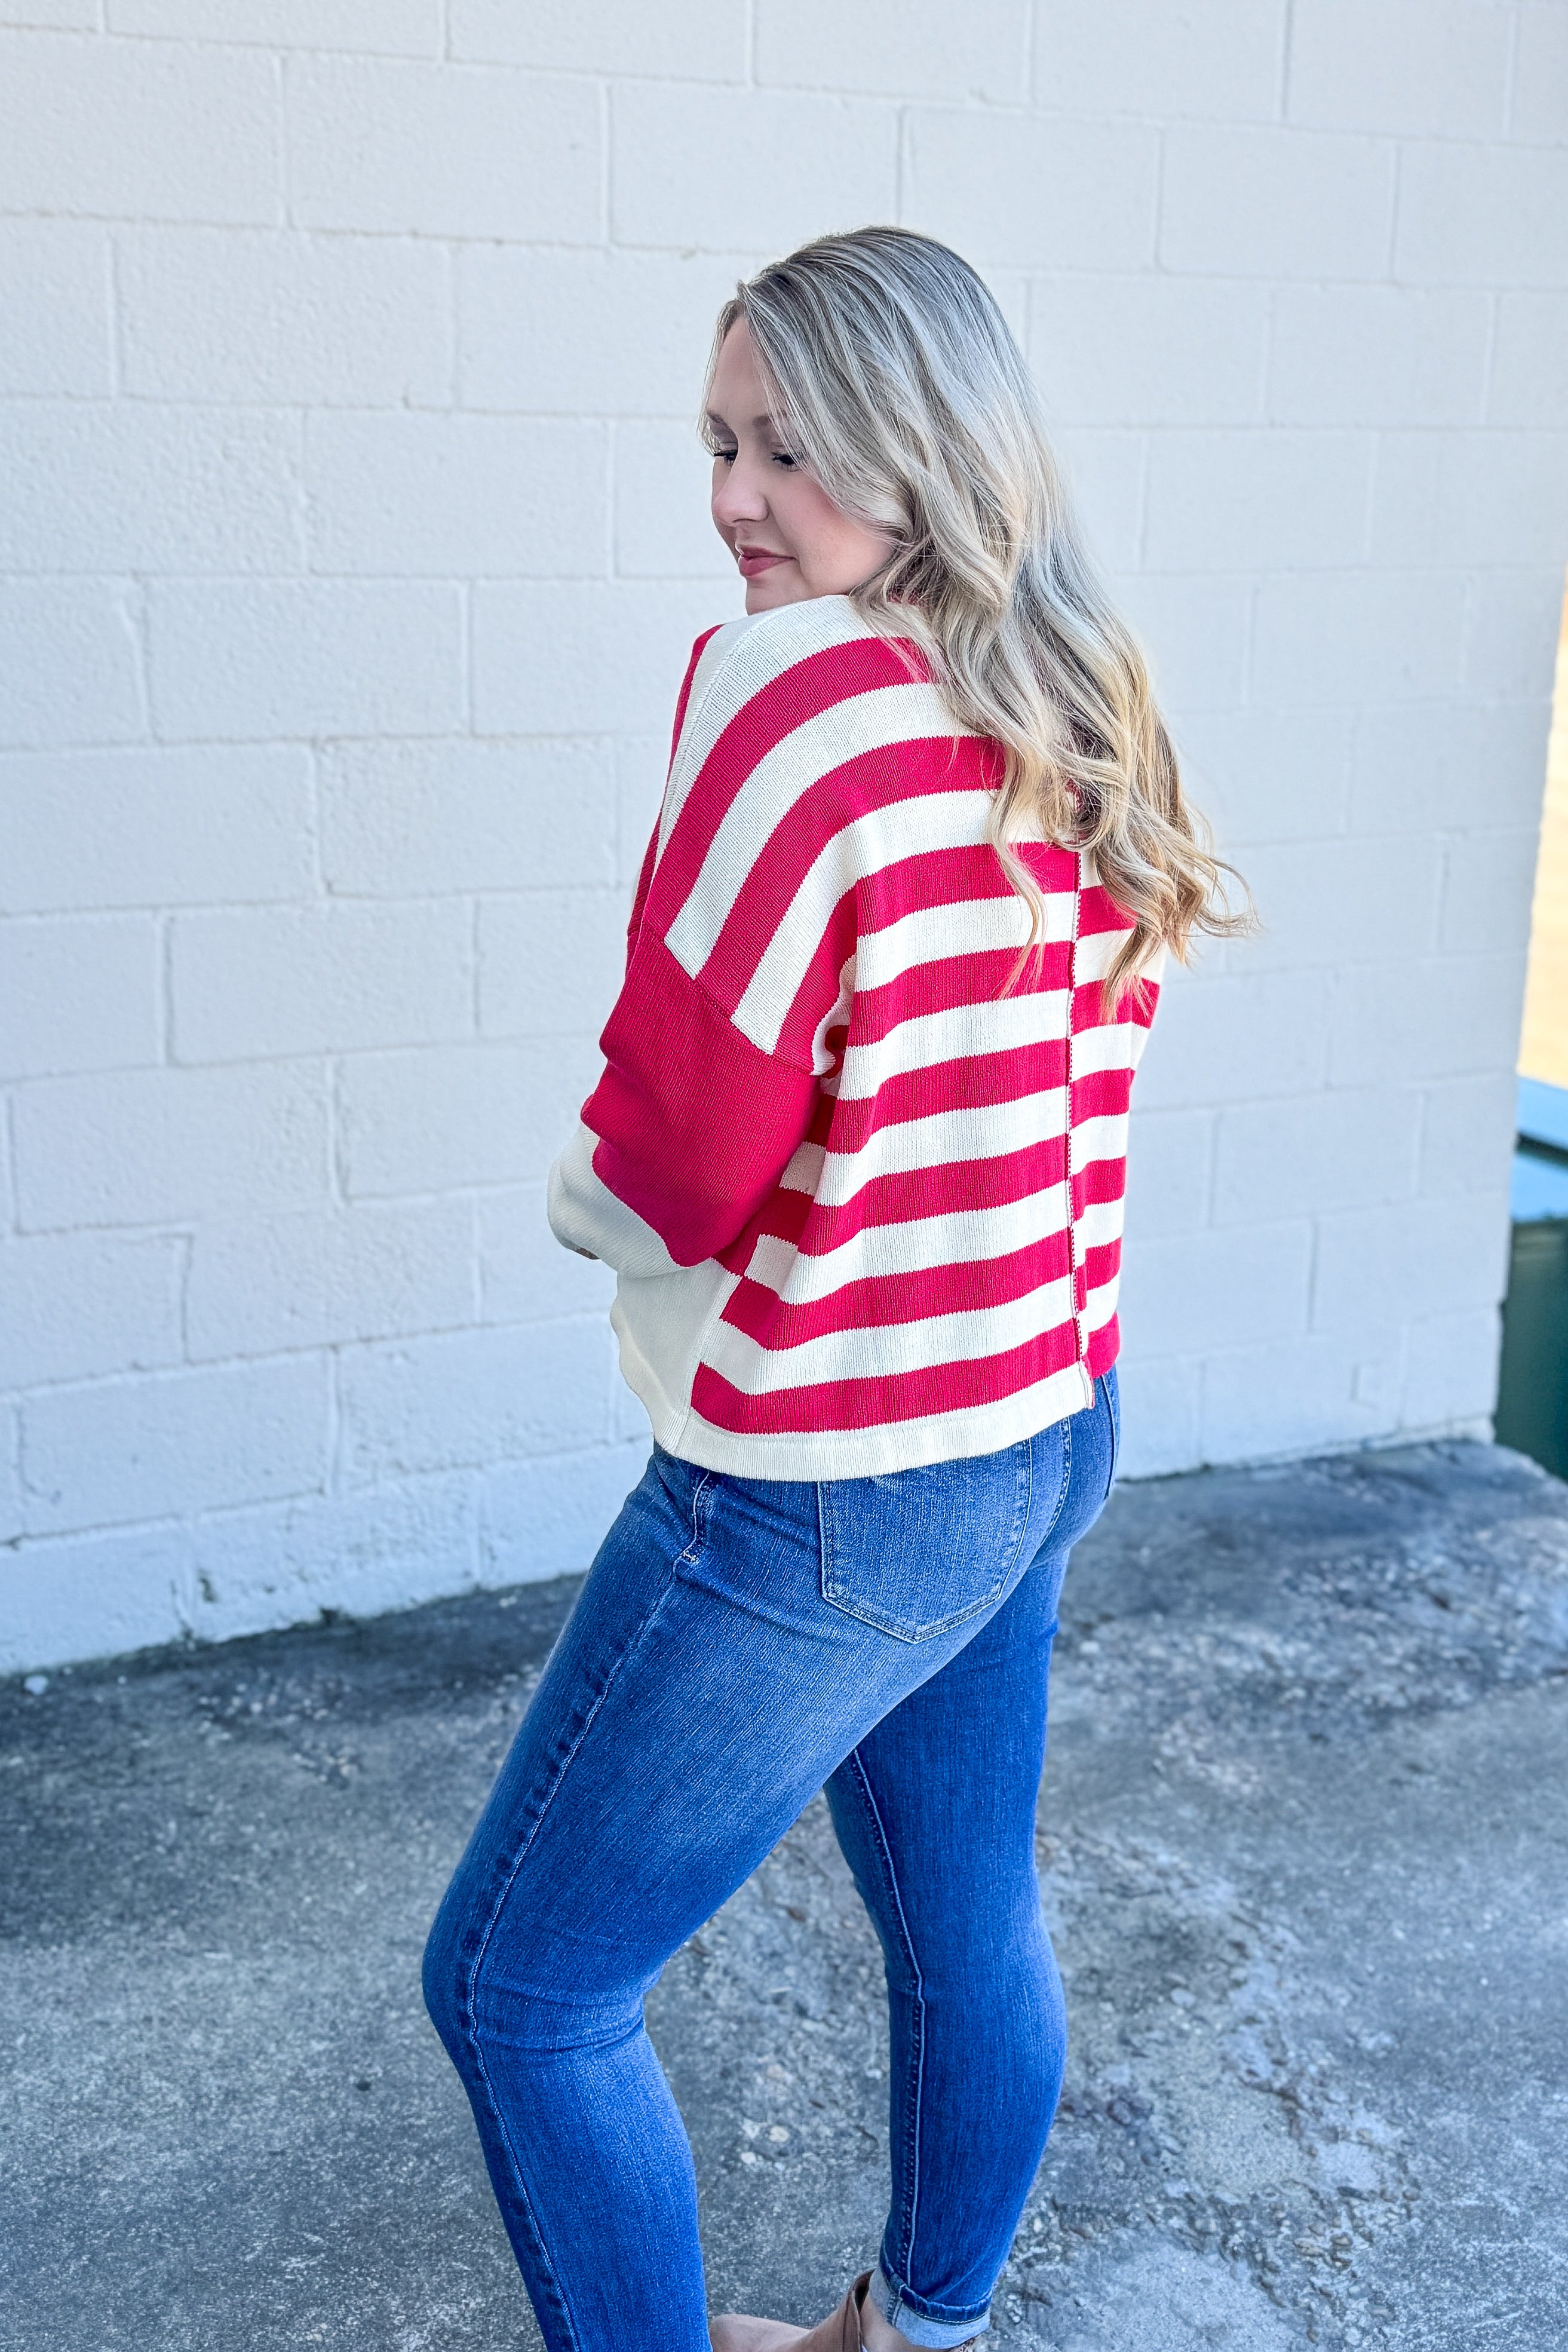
738 1643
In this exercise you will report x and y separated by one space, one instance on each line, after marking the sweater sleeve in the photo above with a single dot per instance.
692 1120
703 1104
694 1124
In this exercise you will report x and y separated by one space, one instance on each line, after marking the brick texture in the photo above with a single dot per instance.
353 541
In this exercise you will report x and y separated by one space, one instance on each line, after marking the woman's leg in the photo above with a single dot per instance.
936 1813
735 1640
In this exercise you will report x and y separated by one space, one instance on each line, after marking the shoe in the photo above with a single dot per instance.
738 2331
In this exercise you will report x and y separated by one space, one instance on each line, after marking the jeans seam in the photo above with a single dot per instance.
470 1992
1066 1427
912 2155
703 1492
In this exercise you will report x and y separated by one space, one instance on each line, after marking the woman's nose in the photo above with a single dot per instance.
739 495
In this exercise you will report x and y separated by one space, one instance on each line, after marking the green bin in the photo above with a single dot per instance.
1532 1388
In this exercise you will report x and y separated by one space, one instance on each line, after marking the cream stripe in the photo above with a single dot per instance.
1096 953
746 656
1115 1045
862 722
970 928
927 821
876 1350
892 1446
1102 1304
983 1132
962 1237
720 651
1101 1222
1099 1138
916 1244
962 1031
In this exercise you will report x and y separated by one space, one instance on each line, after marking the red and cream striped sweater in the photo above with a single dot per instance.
858 1174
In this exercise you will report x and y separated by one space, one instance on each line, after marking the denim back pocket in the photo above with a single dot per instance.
916 1551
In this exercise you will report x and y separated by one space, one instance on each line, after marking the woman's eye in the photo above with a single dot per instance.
724 457
783 458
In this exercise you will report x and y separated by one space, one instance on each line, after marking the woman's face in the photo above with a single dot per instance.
786 534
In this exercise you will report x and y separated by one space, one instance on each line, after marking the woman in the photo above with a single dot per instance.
856 1157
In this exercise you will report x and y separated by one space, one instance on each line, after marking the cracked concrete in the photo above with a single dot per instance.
1305 1853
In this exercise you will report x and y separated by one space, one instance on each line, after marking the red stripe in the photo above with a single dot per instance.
645 873
644 876
1104 1346
874 780
1089 1007
1101 1264
968 1082
887 1396
950 1190
801 692
781 1217
818 992
1101 1179
686 693
946 982
1098 911
1102 1093
946 878
930 877
963 1287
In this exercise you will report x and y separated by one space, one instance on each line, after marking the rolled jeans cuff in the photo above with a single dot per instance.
919 2326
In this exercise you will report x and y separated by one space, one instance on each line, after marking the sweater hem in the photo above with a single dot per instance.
889 1446
692 1301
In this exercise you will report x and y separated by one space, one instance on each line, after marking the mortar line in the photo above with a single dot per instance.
285 215
1489 356
1510 70
164 984
8 1165
116 318
1287 45
331 1482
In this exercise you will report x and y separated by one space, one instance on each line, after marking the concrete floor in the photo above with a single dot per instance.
1305 1849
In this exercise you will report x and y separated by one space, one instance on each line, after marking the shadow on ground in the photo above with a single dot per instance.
1305 1853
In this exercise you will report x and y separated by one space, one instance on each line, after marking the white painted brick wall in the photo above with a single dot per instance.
352 544
78 993
150 826
119 1449
244 317
1221 62
262 981
241 658
71 673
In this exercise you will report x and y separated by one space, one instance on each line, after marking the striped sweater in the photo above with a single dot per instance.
858 1172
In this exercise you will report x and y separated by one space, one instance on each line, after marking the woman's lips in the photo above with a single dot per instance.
753 559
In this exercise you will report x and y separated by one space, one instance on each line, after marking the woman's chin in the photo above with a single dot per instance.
782 584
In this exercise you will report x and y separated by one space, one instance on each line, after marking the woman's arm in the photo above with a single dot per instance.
692 1126
694 1121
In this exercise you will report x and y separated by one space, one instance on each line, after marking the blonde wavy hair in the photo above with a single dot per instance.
894 377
